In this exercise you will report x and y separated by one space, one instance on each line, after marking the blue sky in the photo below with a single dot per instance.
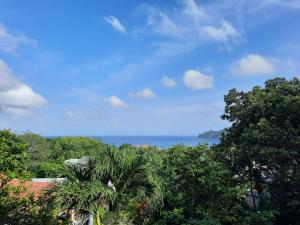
138 67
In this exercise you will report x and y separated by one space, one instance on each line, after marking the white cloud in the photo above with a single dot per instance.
194 79
188 27
168 82
115 23
7 80
10 42
145 94
224 33
16 98
253 64
21 96
161 23
115 102
193 10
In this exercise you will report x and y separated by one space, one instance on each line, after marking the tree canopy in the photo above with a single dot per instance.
262 145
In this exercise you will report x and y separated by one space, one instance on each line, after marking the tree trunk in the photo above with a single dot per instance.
98 219
252 195
99 214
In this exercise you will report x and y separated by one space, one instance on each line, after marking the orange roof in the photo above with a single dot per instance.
36 188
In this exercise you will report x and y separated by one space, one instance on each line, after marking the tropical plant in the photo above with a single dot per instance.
106 182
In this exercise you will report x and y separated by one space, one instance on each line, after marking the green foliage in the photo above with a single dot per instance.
47 156
198 188
39 149
74 147
117 218
19 207
262 145
13 154
108 180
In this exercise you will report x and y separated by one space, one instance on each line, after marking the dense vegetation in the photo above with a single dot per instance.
258 157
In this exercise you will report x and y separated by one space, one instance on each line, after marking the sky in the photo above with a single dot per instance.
138 67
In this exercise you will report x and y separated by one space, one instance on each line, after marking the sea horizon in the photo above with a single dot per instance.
161 141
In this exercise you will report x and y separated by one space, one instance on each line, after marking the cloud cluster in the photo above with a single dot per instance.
10 42
115 23
192 79
191 24
16 98
253 65
145 94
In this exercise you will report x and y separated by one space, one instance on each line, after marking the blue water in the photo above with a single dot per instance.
158 141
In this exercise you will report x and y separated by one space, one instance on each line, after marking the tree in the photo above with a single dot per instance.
18 206
13 154
262 145
198 189
106 182
47 155
64 148
39 153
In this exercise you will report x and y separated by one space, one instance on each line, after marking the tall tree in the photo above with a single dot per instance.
262 145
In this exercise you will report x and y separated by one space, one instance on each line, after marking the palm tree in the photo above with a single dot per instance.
106 180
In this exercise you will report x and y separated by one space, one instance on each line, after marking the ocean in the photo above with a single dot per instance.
158 141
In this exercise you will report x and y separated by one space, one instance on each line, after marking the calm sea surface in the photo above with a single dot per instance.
158 141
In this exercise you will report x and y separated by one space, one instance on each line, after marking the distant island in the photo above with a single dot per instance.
211 134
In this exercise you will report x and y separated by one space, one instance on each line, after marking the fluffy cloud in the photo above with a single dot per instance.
253 65
145 94
196 80
115 23
16 98
168 82
115 102
21 96
223 33
10 42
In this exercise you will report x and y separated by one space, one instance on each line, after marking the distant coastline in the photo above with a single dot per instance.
211 134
